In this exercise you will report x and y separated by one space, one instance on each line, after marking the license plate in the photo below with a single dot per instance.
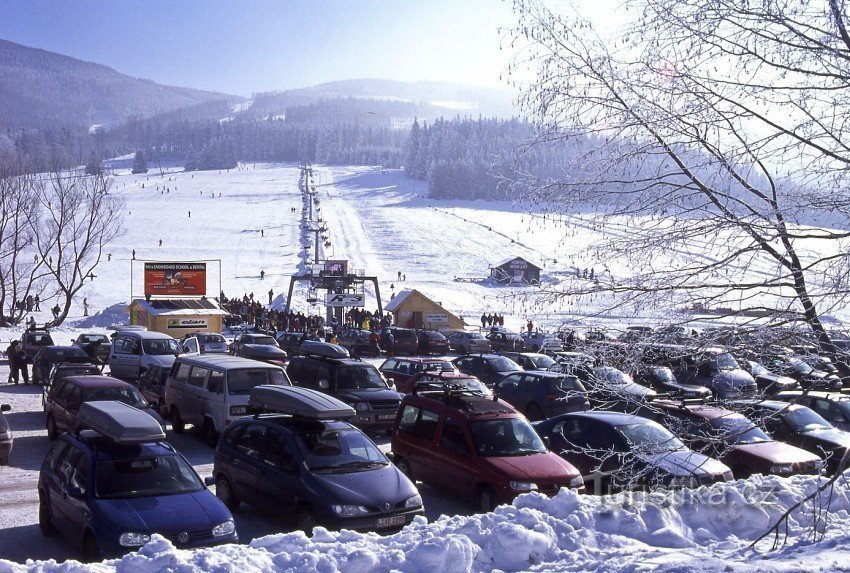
386 417
393 521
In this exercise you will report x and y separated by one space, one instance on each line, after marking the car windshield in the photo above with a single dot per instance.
502 364
475 336
92 338
802 419
211 339
261 340
739 430
542 361
339 450
613 376
757 369
240 382
651 437
354 377
801 367
125 394
441 366
726 361
60 354
144 477
161 346
506 437
568 384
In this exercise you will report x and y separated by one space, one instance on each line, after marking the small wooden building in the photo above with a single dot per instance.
516 270
177 316
412 309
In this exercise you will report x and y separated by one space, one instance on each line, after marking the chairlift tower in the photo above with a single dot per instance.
343 288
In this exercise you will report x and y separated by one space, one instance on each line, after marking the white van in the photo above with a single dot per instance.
210 390
134 351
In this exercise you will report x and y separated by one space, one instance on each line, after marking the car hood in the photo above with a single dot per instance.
776 452
777 380
382 487
261 350
544 466
367 394
736 377
831 436
185 511
684 462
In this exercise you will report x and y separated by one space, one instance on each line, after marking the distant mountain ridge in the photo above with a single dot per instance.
45 90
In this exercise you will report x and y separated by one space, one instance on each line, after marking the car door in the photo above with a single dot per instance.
63 507
244 466
417 437
452 458
279 478
508 389
77 508
197 404
215 399
71 408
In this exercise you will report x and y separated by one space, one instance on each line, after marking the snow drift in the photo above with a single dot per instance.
709 528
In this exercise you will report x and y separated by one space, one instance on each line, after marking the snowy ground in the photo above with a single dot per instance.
383 223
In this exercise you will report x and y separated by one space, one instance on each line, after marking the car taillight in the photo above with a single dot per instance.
550 398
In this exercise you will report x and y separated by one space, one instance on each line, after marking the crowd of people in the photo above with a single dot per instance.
490 320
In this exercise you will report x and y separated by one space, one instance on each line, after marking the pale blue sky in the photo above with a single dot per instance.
262 45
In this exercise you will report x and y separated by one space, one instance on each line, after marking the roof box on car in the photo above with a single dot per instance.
325 349
297 401
120 422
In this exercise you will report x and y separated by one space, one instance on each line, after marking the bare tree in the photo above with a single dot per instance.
715 151
76 219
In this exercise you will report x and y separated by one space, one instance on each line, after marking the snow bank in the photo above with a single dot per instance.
709 528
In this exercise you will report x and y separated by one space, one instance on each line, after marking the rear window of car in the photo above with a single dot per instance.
404 335
211 339
39 340
261 340
240 382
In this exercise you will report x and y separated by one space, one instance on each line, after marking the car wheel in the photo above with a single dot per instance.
404 467
485 501
45 517
305 521
176 421
224 492
534 413
91 550
52 432
209 433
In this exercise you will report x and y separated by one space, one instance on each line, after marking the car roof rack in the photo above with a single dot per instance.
323 349
297 402
447 388
120 422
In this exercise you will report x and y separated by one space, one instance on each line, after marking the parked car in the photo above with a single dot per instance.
465 342
47 356
134 351
541 395
477 447
501 340
662 380
205 343
402 370
809 378
290 342
607 387
96 346
615 451
260 347
452 380
717 370
405 342
359 342
767 381
536 341
834 407
33 340
6 438
799 426
432 342
734 440
61 371
328 369
305 461
489 368
67 396
529 360
151 385
111 488
211 390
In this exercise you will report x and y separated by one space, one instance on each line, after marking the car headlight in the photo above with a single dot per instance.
349 510
782 469
133 539
361 406
238 410
415 501
577 482
222 529
523 486
728 476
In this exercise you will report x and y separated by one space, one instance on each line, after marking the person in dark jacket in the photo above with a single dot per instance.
17 362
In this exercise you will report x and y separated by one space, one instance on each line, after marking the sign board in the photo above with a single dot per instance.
345 299
517 264
194 323
175 279
337 268
436 317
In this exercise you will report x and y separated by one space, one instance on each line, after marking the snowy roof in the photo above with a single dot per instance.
506 261
398 300
180 306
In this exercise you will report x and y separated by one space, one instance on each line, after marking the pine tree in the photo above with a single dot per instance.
94 165
140 162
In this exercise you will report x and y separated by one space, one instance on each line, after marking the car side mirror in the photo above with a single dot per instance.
209 481
5 407
75 492
324 384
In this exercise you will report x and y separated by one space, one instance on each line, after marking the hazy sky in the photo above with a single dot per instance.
241 47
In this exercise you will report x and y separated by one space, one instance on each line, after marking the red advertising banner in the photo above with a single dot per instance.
175 279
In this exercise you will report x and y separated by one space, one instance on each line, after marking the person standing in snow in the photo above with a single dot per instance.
271 294
483 321
17 362
85 306
262 274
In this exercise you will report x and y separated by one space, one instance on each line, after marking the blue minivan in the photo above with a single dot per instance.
304 462
111 487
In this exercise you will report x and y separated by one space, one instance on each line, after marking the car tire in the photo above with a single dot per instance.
404 467
209 433
52 431
91 550
177 423
485 501
45 517
534 413
224 492
305 520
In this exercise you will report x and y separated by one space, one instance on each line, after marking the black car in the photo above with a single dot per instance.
615 451
661 379
541 395
34 340
501 340
834 407
529 360
809 378
317 470
767 381
290 342
799 426
47 356
63 370
260 347
359 342
404 341
608 388
432 342
489 368
97 346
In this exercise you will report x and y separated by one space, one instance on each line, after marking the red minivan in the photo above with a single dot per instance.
475 446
